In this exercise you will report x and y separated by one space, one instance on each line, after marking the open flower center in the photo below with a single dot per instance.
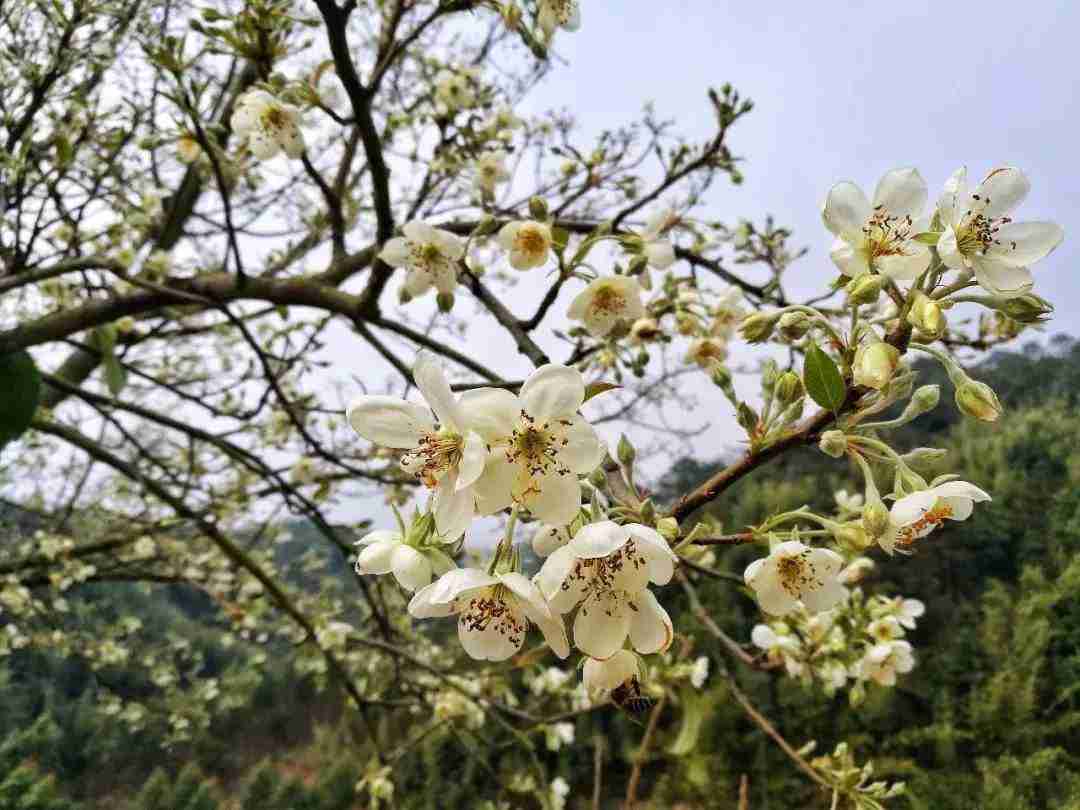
493 608
534 446
531 241
599 577
607 300
978 232
274 119
434 455
886 234
797 574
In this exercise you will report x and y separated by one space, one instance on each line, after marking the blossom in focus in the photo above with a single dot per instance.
980 235
882 662
539 444
601 676
606 302
605 571
794 573
430 255
267 125
916 515
444 452
385 552
879 235
527 242
554 14
494 612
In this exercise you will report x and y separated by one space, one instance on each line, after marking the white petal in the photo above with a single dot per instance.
453 507
452 584
548 538
954 198
558 500
601 626
430 379
494 488
389 421
473 457
583 451
490 642
911 507
660 254
536 608
1002 191
1022 243
998 278
421 605
599 539
846 209
850 261
417 282
825 597
379 536
376 558
411 569
902 192
508 234
601 676
396 252
905 266
553 391
580 305
656 550
949 250
763 637
553 573
961 489
650 625
491 412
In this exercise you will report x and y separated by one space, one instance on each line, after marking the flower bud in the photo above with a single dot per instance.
685 323
757 328
794 325
923 456
788 388
833 443
668 528
598 478
864 290
645 329
851 536
1028 308
746 417
538 209
978 400
445 301
925 399
626 451
875 518
648 512
926 316
875 364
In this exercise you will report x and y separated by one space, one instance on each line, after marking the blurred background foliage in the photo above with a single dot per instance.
989 719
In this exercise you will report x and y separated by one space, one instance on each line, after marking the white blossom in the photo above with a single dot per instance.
455 89
878 236
447 455
558 734
794 573
430 254
490 171
916 515
268 125
494 612
606 569
979 234
385 552
883 662
527 242
607 302
700 672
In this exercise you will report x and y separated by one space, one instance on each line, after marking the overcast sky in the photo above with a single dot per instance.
843 91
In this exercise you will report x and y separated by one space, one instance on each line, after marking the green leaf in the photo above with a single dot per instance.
595 389
21 384
104 339
115 374
927 237
822 379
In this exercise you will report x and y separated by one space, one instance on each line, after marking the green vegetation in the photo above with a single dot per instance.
989 718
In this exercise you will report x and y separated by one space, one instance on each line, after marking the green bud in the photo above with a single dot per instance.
668 528
925 399
923 456
926 316
864 290
833 443
875 518
978 400
757 328
445 301
1028 308
788 388
648 512
538 208
746 417
851 536
487 226
598 478
794 325
626 451
875 364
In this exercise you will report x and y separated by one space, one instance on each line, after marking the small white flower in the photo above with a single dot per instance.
557 792
494 612
916 515
554 14
700 672
455 89
907 611
385 552
852 502
430 254
539 444
188 148
887 628
547 538
883 662
559 734
606 569
658 248
601 676
490 171
528 243
447 456
792 573
878 236
706 352
268 125
727 313
606 302
779 648
980 236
